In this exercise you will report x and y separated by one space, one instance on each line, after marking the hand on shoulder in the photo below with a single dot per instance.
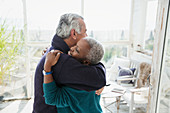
52 58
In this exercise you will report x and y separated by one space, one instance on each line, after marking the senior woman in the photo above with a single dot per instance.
69 100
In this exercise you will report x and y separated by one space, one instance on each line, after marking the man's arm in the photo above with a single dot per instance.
99 69
71 72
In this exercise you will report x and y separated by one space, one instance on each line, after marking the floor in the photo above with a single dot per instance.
25 106
17 106
124 108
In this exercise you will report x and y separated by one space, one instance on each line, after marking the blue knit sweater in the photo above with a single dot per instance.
69 100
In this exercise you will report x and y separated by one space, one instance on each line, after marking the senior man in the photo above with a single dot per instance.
70 30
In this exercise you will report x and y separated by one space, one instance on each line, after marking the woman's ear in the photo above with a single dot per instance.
73 34
86 62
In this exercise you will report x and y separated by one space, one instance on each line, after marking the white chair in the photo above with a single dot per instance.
133 64
136 97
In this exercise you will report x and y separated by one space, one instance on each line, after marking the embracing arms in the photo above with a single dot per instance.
53 95
72 73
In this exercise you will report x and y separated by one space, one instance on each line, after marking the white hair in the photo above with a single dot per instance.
96 50
67 22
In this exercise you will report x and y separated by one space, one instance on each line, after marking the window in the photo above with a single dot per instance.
109 23
43 16
12 50
150 25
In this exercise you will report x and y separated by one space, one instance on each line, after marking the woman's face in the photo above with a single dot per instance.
80 50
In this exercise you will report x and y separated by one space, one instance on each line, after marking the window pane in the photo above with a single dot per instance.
12 12
113 51
150 24
109 18
13 79
43 16
110 35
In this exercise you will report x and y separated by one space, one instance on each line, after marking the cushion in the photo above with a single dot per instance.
113 70
126 72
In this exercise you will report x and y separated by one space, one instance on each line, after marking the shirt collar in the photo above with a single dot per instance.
60 44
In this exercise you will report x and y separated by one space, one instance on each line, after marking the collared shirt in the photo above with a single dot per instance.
67 72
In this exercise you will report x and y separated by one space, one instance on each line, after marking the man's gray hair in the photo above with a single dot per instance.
67 22
96 50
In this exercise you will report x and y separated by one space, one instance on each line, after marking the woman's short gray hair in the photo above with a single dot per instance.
96 51
67 22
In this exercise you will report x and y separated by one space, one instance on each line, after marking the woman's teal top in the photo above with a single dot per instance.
69 100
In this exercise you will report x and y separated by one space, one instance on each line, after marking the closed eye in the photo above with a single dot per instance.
77 50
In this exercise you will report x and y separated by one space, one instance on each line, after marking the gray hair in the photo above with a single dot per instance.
67 22
96 50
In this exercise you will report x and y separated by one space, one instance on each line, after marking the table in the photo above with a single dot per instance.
113 91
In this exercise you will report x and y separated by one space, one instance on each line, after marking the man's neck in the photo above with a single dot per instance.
69 42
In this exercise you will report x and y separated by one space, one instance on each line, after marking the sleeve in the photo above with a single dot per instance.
82 77
54 95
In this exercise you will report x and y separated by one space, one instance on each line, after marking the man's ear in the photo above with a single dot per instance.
73 34
86 62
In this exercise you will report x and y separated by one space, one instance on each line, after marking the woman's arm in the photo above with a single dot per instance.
53 95
51 59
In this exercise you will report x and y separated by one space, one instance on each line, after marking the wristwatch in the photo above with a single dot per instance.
47 73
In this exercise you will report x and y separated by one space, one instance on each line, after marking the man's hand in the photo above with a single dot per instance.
51 59
99 91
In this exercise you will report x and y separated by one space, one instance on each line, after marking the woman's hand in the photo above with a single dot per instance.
52 58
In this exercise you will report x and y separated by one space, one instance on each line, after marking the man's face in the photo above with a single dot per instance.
83 31
80 50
